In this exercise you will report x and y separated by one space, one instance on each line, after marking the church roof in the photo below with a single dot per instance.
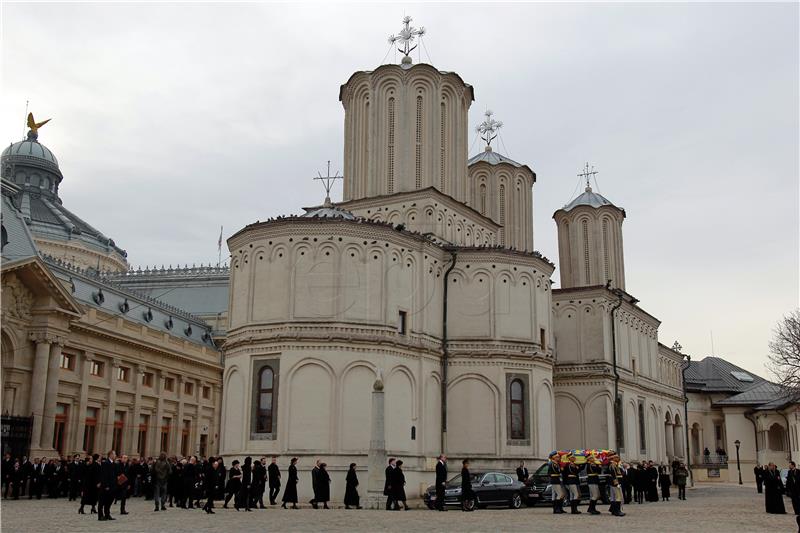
588 198
714 374
31 151
495 158
17 239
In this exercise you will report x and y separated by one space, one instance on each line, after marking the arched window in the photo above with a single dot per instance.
483 199
516 392
390 153
266 378
418 144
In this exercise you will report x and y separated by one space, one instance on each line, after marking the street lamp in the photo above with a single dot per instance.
738 466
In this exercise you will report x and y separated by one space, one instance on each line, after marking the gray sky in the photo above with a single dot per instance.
169 121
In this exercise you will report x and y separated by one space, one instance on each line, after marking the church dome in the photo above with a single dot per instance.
588 198
31 152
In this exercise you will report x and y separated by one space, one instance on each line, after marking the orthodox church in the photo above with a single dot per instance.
424 275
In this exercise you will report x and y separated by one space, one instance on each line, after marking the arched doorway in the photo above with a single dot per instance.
776 438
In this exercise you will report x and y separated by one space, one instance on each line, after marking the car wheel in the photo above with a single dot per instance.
431 506
470 504
516 501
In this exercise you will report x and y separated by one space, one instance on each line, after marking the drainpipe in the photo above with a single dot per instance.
617 414
686 421
749 416
444 351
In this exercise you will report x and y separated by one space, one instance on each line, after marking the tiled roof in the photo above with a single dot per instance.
714 374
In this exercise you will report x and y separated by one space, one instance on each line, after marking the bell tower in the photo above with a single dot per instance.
590 248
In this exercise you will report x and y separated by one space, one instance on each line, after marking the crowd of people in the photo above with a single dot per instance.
98 482
770 482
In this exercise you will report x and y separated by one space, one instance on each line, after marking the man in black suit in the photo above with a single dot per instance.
315 484
793 486
37 479
107 485
387 486
75 475
274 480
522 472
441 481
123 468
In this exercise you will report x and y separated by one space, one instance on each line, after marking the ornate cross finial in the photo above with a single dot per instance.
488 129
677 347
327 182
406 38
588 174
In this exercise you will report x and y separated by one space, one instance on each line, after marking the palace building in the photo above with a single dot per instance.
425 274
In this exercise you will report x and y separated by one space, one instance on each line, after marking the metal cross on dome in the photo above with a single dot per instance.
488 128
587 174
406 36
327 182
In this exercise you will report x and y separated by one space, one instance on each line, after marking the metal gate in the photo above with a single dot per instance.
15 435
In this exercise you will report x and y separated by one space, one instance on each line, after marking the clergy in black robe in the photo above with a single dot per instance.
399 486
210 484
351 497
290 492
89 478
773 490
247 485
652 482
793 486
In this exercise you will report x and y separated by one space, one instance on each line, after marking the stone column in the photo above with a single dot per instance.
155 438
51 395
215 430
377 450
84 399
38 386
179 419
112 406
137 410
669 438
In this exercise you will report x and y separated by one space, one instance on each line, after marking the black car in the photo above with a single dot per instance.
490 488
538 489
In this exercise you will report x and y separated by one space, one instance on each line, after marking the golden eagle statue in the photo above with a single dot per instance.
34 126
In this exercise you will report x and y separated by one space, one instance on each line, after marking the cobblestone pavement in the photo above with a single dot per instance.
709 509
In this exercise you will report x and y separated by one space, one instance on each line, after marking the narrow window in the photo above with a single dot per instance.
543 339
419 144
147 379
502 216
165 425
60 427
188 388
123 373
67 361
442 145
585 225
169 384
90 429
116 436
642 437
517 409
141 441
619 424
483 199
390 162
185 431
96 369
606 262
206 393
401 324
264 417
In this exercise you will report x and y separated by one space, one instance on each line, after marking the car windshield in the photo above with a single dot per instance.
473 478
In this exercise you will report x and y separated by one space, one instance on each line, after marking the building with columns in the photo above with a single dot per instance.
87 364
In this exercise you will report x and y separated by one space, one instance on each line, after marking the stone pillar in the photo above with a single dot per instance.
38 386
155 438
83 400
214 431
112 407
133 432
377 450
669 438
678 441
51 395
176 448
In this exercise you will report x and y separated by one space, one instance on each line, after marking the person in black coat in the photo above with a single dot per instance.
441 481
522 472
351 497
773 490
467 495
290 492
89 479
17 479
274 474
323 486
664 483
247 485
793 487
74 474
123 472
107 486
7 469
51 471
315 485
219 493
36 476
399 486
259 483
234 486
759 473
652 482
188 479
210 484
391 504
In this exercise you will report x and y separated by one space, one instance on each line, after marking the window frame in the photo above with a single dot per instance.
70 361
169 384
123 374
519 432
513 436
257 430
97 368
264 413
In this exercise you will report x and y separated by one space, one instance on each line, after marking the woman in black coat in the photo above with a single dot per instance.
324 485
399 485
290 492
247 484
467 496
234 485
773 490
664 483
351 497
91 473
210 485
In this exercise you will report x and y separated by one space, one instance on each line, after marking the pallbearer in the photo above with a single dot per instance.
554 471
573 483
615 481
593 470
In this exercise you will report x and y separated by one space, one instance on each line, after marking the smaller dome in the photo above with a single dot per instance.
329 211
31 149
589 198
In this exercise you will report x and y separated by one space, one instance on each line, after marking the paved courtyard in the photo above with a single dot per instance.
710 508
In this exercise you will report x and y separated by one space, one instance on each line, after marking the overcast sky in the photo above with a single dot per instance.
169 121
